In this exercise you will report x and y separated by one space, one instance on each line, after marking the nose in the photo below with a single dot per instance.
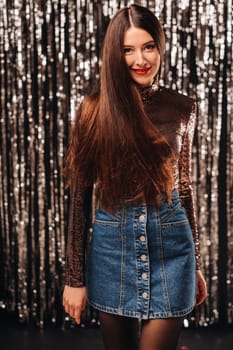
139 58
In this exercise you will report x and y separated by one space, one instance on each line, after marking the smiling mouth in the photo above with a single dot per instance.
141 71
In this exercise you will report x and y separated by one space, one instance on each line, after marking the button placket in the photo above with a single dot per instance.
142 261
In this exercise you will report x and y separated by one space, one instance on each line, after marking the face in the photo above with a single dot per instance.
141 55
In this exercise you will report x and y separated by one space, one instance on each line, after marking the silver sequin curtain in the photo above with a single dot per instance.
49 56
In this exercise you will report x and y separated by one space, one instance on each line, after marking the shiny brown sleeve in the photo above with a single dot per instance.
185 181
78 225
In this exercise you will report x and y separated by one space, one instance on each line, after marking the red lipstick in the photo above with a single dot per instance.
141 71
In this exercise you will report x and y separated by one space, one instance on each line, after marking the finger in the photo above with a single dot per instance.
197 299
200 301
70 310
78 310
77 316
84 304
78 320
200 297
73 310
64 301
66 307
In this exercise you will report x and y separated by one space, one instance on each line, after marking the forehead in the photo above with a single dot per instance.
136 37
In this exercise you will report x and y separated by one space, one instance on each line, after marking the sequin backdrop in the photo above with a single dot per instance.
49 50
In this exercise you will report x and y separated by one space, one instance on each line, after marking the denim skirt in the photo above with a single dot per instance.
141 262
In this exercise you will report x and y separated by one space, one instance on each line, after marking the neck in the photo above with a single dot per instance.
147 91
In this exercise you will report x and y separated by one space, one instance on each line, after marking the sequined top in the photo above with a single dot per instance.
174 115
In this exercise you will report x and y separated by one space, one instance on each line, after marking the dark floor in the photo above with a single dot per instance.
16 337
90 339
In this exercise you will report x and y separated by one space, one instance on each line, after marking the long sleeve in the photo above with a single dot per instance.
78 224
185 180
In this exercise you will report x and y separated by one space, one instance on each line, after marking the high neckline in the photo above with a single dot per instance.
148 91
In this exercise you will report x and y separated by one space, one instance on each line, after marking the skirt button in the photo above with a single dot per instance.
142 218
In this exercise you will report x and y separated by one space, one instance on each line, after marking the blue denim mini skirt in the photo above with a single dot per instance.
141 262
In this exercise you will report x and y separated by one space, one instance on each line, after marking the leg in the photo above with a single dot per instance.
119 332
160 334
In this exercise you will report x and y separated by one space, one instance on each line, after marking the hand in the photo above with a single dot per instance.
74 301
201 291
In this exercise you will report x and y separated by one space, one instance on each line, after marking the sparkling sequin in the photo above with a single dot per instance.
49 56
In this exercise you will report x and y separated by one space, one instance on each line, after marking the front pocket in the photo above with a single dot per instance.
169 212
104 218
177 239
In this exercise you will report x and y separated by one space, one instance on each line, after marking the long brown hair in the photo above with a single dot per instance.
113 141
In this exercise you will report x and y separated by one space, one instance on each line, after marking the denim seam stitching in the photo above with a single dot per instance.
123 254
121 312
107 223
174 223
172 212
162 268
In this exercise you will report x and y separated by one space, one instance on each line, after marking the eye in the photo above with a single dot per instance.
149 47
127 50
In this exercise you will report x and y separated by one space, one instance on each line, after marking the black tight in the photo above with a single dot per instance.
119 333
160 334
122 333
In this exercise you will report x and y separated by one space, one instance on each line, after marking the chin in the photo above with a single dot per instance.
144 83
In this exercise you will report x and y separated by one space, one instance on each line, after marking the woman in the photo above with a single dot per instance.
130 152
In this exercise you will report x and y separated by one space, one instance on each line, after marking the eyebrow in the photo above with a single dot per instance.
148 42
